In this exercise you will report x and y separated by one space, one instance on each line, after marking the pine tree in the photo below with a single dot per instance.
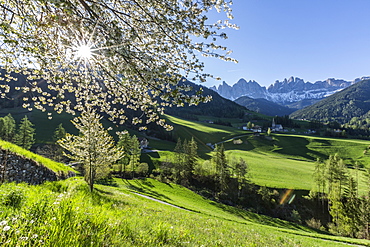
7 128
135 152
59 133
124 143
241 169
25 135
56 151
191 157
94 148
221 168
179 161
320 179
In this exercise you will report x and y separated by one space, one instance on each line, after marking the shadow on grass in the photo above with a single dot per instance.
145 187
295 146
99 196
153 154
263 219
108 182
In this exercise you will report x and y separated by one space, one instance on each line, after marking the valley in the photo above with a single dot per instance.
113 131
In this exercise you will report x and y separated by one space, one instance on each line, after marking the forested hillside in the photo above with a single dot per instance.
217 107
264 106
349 105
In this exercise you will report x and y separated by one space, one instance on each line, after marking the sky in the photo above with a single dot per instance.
310 39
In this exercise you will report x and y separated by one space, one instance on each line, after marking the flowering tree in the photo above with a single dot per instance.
109 53
94 148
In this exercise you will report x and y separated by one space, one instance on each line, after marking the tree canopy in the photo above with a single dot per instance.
110 53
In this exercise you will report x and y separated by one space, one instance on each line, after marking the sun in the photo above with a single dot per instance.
84 52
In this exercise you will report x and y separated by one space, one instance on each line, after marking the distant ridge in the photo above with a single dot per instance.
350 104
264 106
284 92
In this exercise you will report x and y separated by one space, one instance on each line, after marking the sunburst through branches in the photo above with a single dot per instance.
114 56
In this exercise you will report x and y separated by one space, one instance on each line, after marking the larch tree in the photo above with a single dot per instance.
25 136
94 148
109 54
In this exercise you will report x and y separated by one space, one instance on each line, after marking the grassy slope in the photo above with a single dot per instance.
287 161
264 225
64 213
52 165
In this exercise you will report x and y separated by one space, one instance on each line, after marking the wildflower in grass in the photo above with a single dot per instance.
3 223
6 228
23 238
34 236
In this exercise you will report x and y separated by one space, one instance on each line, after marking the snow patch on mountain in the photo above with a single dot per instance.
287 91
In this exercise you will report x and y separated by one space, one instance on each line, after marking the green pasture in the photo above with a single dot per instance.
279 161
64 213
203 133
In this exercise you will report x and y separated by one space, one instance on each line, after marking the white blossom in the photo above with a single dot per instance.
108 54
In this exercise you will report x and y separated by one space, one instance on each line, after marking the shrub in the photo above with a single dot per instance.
13 197
314 223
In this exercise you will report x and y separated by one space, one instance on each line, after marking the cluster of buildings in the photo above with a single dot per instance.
258 129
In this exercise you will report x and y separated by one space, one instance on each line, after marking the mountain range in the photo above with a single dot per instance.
285 92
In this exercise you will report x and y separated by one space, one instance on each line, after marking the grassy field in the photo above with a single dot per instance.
282 161
52 165
64 213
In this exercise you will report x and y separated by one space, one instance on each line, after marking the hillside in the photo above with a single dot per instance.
217 107
65 214
20 165
285 161
264 106
343 106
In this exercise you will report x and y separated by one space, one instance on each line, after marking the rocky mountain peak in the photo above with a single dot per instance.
289 90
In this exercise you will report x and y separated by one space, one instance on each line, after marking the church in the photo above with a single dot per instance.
276 127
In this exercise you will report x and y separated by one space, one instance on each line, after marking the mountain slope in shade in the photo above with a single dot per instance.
217 107
264 106
342 106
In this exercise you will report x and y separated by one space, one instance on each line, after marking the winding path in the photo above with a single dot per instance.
156 200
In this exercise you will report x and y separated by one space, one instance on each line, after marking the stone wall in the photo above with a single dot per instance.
15 168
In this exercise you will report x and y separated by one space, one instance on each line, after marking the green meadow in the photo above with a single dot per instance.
64 213
279 161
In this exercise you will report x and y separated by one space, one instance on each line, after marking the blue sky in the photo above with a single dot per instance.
310 39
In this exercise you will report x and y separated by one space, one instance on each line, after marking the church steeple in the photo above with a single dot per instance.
273 123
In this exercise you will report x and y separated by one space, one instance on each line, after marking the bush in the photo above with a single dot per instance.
13 197
142 169
314 223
